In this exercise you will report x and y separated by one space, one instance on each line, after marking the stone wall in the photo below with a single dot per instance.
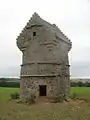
55 86
42 68
44 47
45 58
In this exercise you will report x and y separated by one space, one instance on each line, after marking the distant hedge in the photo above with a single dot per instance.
80 84
9 84
5 83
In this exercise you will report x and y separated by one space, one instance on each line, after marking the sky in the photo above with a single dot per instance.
71 16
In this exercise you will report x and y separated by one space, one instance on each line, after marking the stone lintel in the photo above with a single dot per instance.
55 63
43 75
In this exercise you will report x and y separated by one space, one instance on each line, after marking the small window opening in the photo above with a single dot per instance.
34 33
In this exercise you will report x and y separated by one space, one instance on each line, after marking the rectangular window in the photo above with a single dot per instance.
34 33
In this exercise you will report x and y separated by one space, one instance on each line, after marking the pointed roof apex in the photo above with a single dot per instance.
35 15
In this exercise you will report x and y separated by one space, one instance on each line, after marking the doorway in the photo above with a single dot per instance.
42 90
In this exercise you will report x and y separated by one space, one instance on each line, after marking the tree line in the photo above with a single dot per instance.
15 82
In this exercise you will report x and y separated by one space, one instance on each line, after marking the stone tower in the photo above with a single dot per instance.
45 64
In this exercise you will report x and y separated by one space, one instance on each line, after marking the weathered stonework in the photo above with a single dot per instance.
45 58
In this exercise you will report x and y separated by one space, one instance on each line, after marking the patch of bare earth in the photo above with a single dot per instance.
42 100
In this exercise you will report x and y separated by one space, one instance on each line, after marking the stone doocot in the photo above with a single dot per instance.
45 64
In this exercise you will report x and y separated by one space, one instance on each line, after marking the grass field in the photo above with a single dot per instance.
83 92
73 110
45 111
5 93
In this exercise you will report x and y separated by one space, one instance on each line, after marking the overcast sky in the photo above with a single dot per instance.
71 16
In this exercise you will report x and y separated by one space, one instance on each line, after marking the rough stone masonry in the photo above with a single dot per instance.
45 64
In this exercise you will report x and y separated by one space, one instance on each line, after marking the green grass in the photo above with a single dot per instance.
5 93
73 110
83 92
